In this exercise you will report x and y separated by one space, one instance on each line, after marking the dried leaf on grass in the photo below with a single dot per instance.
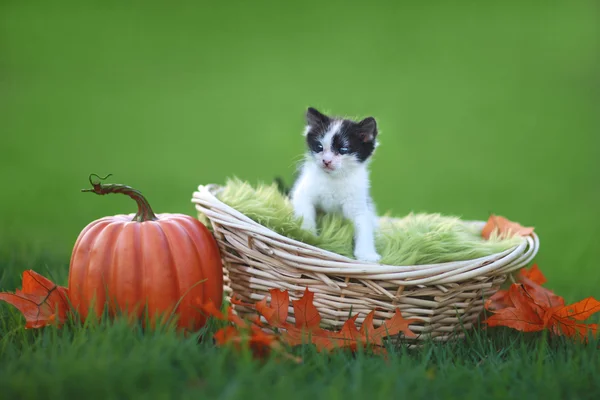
306 328
527 306
40 301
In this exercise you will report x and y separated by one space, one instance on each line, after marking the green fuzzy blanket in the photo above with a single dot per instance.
415 239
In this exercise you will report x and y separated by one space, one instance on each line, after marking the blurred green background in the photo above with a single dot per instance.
482 107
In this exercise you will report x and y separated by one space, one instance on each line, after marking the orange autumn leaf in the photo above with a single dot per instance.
533 274
498 301
504 228
581 310
522 315
349 336
306 328
276 312
527 306
40 301
280 302
226 335
395 325
532 279
306 314
229 315
210 309
264 310
244 333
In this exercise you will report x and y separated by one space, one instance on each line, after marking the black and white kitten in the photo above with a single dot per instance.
334 177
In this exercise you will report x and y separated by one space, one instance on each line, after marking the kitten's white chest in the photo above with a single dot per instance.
333 194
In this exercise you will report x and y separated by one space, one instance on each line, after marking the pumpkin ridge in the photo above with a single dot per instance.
138 255
97 304
82 273
111 284
172 263
181 224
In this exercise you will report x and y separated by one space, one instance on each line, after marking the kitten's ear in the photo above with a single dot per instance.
315 118
367 129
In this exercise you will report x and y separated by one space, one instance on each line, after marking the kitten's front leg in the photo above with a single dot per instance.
305 209
364 237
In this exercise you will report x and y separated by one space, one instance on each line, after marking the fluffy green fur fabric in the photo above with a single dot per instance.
415 239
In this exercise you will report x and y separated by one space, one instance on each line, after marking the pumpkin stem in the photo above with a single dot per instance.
144 212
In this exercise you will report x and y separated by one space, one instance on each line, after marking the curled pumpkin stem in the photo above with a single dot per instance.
144 212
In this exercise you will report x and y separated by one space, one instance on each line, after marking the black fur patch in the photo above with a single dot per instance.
358 137
318 124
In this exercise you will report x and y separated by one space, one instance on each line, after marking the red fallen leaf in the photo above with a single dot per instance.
280 302
40 301
568 328
528 306
306 314
581 310
395 325
532 279
245 333
498 301
533 274
564 318
348 336
504 228
276 312
210 309
543 296
306 328
523 315
226 335
264 310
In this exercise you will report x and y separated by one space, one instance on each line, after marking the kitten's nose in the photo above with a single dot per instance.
327 163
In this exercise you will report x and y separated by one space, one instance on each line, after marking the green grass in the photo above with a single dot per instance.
112 360
483 107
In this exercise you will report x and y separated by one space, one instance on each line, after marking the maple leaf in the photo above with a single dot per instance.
229 315
522 314
498 301
348 336
533 274
351 337
41 301
280 301
564 318
306 314
244 333
306 328
504 228
395 325
581 310
532 279
527 306
276 312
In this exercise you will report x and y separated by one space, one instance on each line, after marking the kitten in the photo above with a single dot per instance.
334 177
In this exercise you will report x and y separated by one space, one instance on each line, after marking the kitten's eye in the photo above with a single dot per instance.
319 147
344 150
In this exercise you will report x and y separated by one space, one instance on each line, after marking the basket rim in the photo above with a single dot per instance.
330 263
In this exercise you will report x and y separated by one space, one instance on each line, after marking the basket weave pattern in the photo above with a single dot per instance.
446 298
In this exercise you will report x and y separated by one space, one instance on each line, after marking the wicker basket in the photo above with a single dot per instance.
446 298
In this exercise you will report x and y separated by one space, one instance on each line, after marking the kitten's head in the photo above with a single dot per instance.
337 144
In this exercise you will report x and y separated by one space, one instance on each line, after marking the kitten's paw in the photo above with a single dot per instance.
310 226
367 256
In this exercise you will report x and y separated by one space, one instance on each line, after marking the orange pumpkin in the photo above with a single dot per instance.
145 264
